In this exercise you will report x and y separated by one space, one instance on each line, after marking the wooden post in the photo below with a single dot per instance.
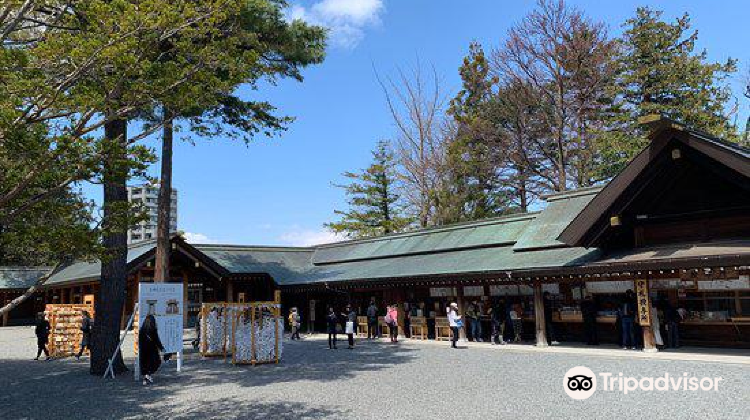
644 315
541 327
230 292
185 303
252 335
461 309
277 312
6 315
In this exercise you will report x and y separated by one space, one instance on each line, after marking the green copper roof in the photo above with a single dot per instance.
279 262
20 277
91 270
561 209
491 232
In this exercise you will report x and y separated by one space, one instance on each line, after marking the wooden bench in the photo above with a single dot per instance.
418 328
384 329
362 324
442 329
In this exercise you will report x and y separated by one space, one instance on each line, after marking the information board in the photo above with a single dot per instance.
165 302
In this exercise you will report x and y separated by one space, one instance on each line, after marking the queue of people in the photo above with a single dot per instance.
505 319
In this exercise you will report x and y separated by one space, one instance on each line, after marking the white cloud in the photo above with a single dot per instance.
198 238
346 19
309 237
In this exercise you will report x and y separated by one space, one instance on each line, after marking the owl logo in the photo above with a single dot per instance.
579 383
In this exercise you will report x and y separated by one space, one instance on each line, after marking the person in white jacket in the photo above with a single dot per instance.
454 322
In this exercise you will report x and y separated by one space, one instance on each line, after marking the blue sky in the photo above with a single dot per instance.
279 192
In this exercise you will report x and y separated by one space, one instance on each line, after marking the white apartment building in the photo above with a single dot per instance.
148 195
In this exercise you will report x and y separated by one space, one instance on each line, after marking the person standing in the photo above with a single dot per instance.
549 326
86 326
497 317
656 326
149 346
516 316
351 325
672 317
295 322
372 321
392 321
407 320
589 310
473 316
331 320
42 331
454 322
627 319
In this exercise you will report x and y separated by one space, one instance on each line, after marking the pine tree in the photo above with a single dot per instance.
473 154
661 73
374 203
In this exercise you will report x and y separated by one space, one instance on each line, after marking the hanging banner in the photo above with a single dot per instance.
165 302
643 302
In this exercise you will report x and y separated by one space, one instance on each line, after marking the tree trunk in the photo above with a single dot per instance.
111 299
161 271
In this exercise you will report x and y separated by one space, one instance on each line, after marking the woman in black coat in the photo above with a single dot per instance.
149 347
42 336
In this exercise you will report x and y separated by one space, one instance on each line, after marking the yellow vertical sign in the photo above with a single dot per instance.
643 302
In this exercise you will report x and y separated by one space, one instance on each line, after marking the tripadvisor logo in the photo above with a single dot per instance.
580 383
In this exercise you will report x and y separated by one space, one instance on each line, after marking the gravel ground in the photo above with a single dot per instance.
374 381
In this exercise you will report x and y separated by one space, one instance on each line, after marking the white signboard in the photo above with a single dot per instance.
609 286
473 290
443 292
511 290
552 288
165 302
736 284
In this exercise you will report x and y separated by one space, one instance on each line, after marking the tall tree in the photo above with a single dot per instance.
416 104
566 58
374 202
660 72
97 62
474 154
272 48
515 112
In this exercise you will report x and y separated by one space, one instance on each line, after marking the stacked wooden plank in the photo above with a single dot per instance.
65 322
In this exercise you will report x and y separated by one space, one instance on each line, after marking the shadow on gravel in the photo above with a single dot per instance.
65 389
235 410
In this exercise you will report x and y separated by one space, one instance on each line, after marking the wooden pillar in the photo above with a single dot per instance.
461 309
185 302
230 292
541 327
644 315
6 315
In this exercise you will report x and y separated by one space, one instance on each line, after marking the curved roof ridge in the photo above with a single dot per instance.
573 193
254 247
508 218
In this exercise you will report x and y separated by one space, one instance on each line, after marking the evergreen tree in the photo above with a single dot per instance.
373 200
661 73
474 152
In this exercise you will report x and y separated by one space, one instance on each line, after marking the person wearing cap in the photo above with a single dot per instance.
351 324
454 322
